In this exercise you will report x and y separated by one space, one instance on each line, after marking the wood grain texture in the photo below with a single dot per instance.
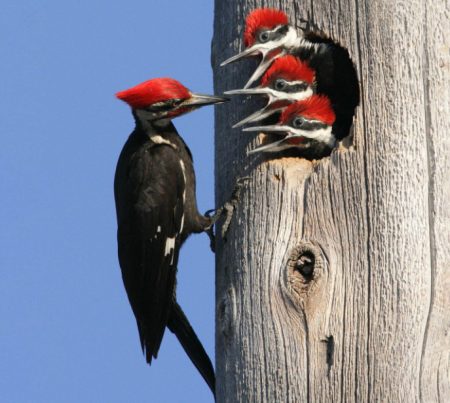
373 324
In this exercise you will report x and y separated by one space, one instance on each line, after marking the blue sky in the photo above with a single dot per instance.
67 333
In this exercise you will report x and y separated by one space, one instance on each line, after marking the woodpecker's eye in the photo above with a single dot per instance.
176 102
263 36
280 84
298 122
165 105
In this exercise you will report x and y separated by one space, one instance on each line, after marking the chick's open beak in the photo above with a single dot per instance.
251 51
260 70
267 54
257 116
263 113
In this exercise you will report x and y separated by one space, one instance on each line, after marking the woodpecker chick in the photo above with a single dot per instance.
287 80
156 208
306 126
268 33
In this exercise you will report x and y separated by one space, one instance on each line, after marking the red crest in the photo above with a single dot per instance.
317 107
290 68
153 91
262 18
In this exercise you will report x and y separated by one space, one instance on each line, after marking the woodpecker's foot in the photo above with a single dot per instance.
231 205
210 229
227 209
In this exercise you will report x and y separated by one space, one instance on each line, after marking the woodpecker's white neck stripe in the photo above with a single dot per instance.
183 170
159 140
170 246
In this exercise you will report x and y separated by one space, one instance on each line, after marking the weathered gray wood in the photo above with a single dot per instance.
376 215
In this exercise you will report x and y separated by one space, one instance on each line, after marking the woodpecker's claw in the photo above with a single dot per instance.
226 209
210 231
232 204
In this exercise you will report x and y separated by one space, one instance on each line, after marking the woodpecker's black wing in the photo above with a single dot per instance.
336 77
149 186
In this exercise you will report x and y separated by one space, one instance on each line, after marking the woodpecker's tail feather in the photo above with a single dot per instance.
179 325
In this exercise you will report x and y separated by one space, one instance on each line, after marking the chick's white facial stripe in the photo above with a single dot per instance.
290 39
322 135
275 95
296 82
287 40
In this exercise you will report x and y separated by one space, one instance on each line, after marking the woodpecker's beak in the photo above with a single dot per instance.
199 100
262 113
249 91
283 144
276 145
258 115
251 51
268 55
270 129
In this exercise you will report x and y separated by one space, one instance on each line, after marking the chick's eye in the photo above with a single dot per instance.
298 122
263 36
280 84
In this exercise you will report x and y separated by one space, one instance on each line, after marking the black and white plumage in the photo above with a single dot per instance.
156 211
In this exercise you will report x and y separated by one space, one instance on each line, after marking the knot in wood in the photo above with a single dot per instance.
306 267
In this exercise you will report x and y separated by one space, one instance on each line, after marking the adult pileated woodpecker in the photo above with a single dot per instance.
305 125
287 80
156 207
268 33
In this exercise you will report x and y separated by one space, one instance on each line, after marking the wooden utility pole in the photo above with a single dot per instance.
334 285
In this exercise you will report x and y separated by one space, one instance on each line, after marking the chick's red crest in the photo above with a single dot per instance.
153 91
290 68
317 107
267 18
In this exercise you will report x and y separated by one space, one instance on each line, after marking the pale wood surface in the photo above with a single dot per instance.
376 215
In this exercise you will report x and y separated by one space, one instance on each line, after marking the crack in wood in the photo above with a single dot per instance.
329 340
